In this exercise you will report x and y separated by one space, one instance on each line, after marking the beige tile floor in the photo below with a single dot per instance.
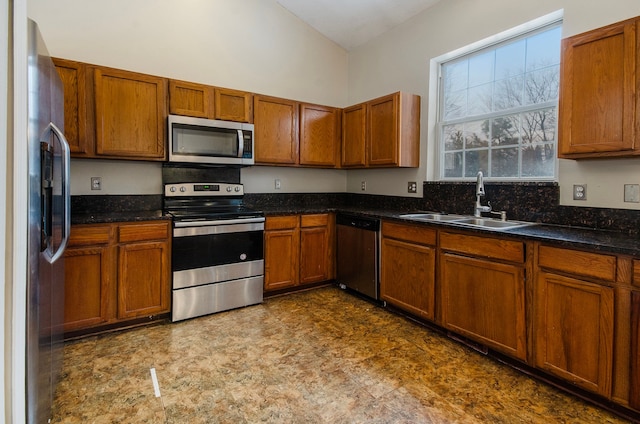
321 356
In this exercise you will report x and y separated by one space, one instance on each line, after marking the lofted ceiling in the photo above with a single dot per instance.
351 23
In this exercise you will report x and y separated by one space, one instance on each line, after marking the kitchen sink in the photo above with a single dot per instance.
432 217
492 223
469 221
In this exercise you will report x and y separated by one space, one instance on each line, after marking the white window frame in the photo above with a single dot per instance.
520 31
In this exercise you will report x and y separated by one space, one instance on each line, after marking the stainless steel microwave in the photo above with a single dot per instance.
208 141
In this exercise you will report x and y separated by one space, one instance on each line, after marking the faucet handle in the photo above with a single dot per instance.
503 215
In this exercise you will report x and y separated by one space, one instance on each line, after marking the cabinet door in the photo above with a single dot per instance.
73 76
407 277
190 99
143 279
316 248
354 153
130 114
485 301
598 89
276 131
634 399
89 279
233 105
319 135
281 254
382 130
574 331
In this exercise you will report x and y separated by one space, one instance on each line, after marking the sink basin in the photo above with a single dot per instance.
432 217
492 223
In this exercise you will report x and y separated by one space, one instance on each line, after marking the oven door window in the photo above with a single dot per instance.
202 251
200 141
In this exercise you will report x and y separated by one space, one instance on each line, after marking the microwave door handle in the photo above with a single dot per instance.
240 144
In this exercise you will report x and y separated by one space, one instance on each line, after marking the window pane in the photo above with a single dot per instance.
504 162
453 136
543 49
481 69
508 93
456 75
542 85
538 160
455 105
480 99
476 134
475 161
505 131
453 165
539 126
510 60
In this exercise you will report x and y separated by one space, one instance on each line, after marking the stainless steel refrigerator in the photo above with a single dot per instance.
49 224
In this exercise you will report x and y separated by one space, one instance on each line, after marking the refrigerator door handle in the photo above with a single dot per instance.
66 193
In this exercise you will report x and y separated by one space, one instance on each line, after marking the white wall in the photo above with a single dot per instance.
252 45
399 60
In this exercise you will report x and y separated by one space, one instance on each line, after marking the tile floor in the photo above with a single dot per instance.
321 356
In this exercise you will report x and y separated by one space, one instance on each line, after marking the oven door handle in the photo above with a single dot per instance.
182 224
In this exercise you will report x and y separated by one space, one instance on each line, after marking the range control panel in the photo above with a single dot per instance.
203 189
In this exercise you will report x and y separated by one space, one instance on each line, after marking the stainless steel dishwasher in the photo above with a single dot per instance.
357 252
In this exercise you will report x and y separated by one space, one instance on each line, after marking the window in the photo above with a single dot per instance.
498 109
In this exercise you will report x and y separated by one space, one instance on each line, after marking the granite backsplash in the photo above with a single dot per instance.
536 202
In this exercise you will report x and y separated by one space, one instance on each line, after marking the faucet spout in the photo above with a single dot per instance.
479 184
479 208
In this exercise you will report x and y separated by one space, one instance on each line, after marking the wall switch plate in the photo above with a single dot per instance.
579 192
632 193
412 187
278 184
363 185
96 183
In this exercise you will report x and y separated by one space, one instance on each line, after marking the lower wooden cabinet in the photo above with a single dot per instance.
482 289
574 317
407 268
298 250
116 272
634 398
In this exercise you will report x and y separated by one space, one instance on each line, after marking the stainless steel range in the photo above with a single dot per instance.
217 249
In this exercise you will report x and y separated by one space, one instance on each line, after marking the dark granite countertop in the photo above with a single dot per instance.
123 216
566 236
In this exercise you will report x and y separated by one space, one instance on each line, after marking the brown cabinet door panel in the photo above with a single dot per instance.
485 301
233 105
634 399
281 254
73 76
574 331
383 131
190 99
143 276
598 88
314 255
276 131
407 277
354 129
319 135
130 114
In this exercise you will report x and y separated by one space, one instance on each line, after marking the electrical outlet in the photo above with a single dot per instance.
363 186
579 192
96 183
278 184
632 193
412 187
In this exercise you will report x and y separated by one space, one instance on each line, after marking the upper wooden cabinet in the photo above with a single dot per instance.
130 114
354 130
74 83
276 130
598 105
391 126
191 99
319 135
233 105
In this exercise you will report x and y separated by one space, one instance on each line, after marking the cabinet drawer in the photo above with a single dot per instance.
143 231
317 220
486 247
89 235
412 233
579 263
281 222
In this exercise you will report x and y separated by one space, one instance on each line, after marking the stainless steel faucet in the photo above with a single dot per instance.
479 208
